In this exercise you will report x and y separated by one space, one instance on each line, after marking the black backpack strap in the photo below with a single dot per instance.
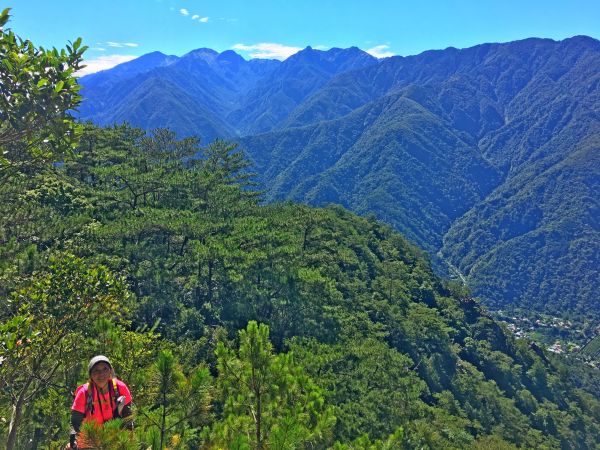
89 401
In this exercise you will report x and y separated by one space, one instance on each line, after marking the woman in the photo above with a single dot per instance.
101 399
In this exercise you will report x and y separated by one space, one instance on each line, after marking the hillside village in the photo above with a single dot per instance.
561 336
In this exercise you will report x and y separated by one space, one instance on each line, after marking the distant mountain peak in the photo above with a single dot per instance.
231 57
153 54
136 66
311 54
157 57
305 51
584 40
206 54
202 50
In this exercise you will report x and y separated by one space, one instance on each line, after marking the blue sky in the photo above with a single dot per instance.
117 31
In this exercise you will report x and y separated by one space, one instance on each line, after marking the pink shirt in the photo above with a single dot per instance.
103 404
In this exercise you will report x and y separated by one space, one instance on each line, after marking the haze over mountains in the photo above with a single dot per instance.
487 156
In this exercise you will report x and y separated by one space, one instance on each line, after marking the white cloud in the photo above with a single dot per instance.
120 44
200 19
98 49
266 50
379 51
197 17
103 63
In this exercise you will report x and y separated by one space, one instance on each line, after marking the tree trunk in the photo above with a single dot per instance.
209 281
259 443
163 420
15 421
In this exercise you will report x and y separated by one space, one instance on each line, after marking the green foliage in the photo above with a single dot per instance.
268 401
177 405
370 384
531 244
493 442
384 343
37 92
394 441
109 436
44 323
364 348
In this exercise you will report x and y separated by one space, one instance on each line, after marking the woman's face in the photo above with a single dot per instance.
101 373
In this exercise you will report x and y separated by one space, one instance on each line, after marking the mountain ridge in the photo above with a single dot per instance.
441 145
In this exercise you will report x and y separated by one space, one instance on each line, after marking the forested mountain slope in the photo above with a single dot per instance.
485 156
536 240
395 353
269 104
439 143
544 232
237 324
190 94
231 94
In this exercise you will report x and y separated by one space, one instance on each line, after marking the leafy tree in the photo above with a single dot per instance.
43 326
268 401
37 91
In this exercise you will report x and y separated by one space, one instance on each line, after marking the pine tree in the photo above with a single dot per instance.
179 403
268 401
